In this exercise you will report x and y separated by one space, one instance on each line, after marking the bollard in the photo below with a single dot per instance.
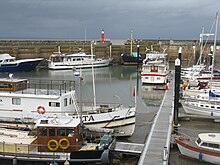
165 153
177 93
14 162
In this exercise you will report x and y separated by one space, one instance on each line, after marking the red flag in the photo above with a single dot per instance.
134 92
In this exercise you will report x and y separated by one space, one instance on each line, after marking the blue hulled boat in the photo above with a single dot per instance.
10 64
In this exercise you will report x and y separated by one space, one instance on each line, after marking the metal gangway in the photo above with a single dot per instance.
157 146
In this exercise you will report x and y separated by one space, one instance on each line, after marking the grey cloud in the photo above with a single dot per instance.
150 19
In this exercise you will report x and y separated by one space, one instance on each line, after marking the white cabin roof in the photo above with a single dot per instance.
6 56
67 122
80 54
210 137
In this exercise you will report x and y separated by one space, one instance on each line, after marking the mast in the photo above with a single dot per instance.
93 79
214 47
131 42
201 46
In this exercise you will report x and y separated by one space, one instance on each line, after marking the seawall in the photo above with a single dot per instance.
42 48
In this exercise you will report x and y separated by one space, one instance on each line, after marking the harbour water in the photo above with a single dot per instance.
116 83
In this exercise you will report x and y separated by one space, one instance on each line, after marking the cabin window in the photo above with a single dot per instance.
158 78
43 131
54 104
212 107
206 106
65 102
198 140
213 145
16 101
70 132
201 105
70 100
61 132
51 131
204 144
218 107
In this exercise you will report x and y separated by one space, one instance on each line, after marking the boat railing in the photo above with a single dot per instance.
47 87
189 139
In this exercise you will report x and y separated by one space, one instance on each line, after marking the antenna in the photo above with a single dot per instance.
146 49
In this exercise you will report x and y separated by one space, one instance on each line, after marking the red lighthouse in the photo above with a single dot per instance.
102 36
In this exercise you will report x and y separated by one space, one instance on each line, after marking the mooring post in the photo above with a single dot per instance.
177 91
180 55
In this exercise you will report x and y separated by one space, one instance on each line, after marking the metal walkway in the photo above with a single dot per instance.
157 145
131 148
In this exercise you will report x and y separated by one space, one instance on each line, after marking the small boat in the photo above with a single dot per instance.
155 68
10 64
133 58
59 61
204 148
54 140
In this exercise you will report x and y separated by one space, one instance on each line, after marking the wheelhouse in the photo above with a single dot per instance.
58 134
209 141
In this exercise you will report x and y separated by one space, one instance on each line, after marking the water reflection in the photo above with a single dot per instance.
152 95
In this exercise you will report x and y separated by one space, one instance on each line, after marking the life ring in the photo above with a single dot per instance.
41 110
52 147
66 145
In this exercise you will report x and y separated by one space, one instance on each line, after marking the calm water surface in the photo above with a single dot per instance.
116 83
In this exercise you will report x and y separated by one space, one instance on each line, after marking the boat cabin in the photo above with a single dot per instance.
12 84
58 134
209 141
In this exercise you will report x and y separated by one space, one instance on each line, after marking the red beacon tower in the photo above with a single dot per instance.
102 36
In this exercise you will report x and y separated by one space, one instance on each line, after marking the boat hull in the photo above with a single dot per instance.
122 121
20 65
198 153
130 60
196 110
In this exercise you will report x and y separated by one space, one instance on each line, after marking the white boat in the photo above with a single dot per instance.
155 68
203 108
21 104
204 148
59 61
10 64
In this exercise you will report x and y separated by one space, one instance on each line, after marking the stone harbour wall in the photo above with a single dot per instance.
43 48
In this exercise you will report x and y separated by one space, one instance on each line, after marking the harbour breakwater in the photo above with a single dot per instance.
43 48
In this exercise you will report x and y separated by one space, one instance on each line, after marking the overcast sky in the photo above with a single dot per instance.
68 19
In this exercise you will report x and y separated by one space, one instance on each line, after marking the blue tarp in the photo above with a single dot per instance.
211 94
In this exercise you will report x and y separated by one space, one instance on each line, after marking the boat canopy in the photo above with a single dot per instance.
212 94
6 56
